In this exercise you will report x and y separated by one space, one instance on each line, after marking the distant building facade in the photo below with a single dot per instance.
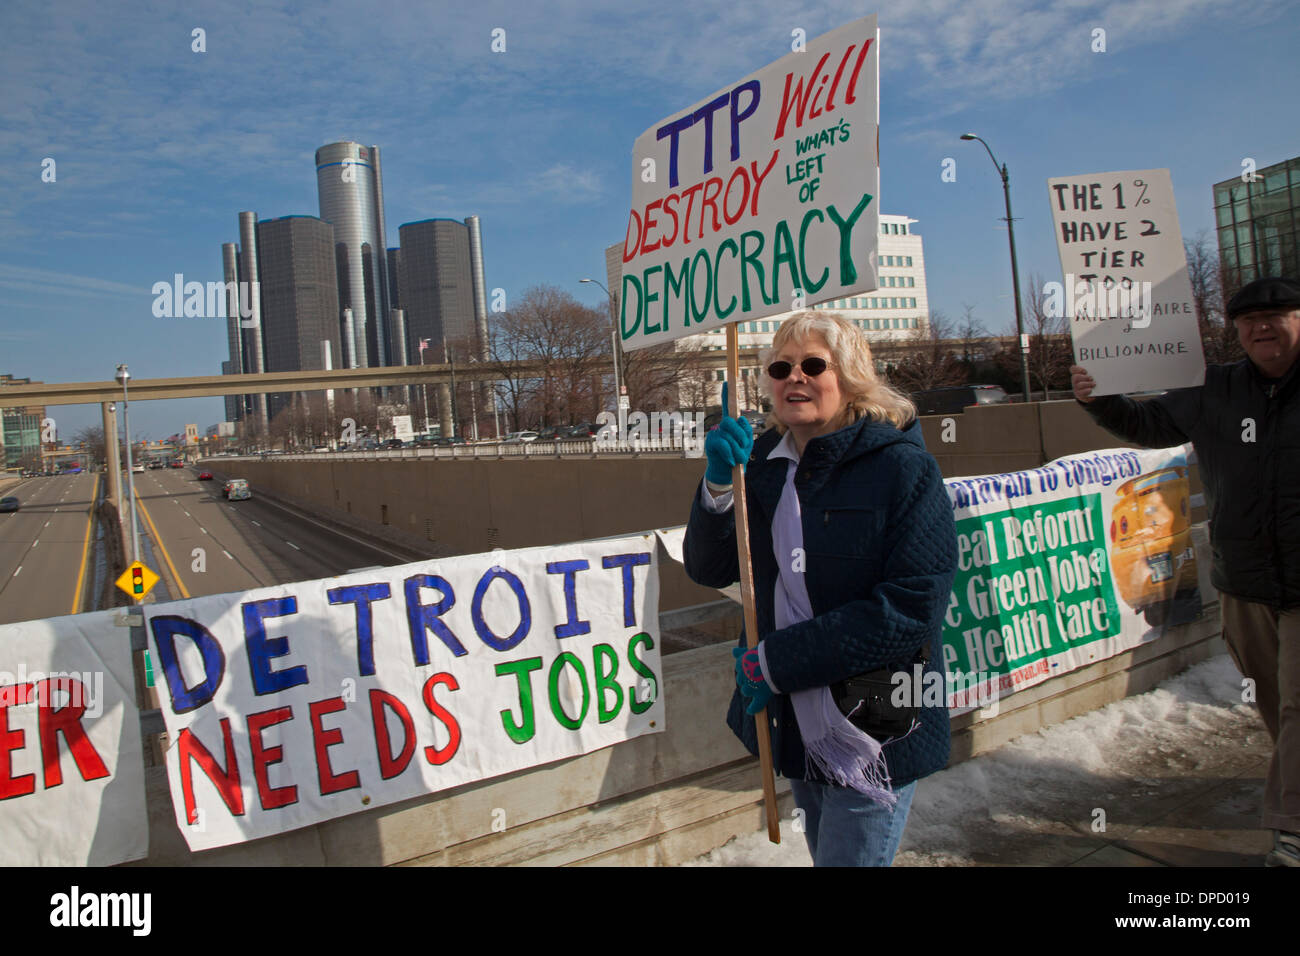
1258 224
20 429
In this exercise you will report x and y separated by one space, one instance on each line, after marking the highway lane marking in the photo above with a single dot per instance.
204 530
292 545
85 549
16 573
227 554
47 524
36 543
258 523
162 547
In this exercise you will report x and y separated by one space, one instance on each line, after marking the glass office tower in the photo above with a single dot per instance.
350 185
1257 225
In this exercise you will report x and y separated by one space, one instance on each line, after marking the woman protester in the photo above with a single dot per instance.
853 550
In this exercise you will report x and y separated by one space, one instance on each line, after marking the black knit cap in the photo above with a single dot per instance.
1271 292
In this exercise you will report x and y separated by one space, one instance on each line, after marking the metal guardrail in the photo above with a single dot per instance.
674 448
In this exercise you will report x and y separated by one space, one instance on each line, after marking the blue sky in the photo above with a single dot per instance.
159 147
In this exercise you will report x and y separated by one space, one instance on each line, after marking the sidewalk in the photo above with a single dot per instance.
1172 777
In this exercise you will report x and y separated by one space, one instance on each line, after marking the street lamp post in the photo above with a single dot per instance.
613 335
123 376
1015 269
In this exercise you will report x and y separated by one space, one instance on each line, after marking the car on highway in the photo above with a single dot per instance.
237 490
9 504
394 443
519 438
205 476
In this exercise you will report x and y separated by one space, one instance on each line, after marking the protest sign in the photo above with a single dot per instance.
760 199
1057 567
71 767
1126 290
1064 565
294 704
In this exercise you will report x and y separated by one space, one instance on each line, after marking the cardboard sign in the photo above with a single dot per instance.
760 199
290 705
71 766
1126 290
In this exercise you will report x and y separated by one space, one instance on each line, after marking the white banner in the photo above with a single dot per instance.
71 767
760 199
294 704
1126 290
1065 565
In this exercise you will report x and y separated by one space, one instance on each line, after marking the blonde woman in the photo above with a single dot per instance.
853 549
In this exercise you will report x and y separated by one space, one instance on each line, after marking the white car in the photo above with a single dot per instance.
519 438
138 467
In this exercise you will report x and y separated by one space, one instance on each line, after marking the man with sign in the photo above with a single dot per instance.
1244 422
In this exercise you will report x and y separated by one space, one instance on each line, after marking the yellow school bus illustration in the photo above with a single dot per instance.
1151 550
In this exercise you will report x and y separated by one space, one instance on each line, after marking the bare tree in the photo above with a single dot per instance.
1218 336
92 439
567 337
930 362
1050 351
972 334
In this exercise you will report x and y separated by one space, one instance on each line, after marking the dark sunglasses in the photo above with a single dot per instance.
812 367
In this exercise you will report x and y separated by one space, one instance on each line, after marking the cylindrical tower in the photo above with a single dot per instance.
235 404
397 327
351 198
254 357
480 290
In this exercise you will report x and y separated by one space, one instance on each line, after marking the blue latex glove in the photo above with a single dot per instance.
749 678
727 445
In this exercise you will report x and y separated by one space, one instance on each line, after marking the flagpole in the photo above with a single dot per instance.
747 590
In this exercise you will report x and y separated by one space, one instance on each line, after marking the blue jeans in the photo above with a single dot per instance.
846 828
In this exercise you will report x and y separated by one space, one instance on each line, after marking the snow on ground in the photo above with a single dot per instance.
1049 781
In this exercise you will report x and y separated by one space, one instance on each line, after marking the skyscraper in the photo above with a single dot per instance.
436 285
350 185
299 287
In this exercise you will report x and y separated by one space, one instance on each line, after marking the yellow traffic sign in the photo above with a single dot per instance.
137 580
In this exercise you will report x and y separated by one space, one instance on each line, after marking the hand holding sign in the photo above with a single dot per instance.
1082 383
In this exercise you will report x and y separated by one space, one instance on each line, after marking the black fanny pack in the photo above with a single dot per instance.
867 701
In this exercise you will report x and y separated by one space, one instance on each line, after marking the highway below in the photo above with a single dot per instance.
44 548
199 542
207 545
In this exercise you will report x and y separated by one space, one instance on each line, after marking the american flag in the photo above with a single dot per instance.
424 344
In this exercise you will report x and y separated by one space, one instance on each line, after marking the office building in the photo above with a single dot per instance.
1257 222
436 287
20 430
299 296
350 186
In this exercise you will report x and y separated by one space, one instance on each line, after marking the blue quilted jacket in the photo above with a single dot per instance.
880 554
